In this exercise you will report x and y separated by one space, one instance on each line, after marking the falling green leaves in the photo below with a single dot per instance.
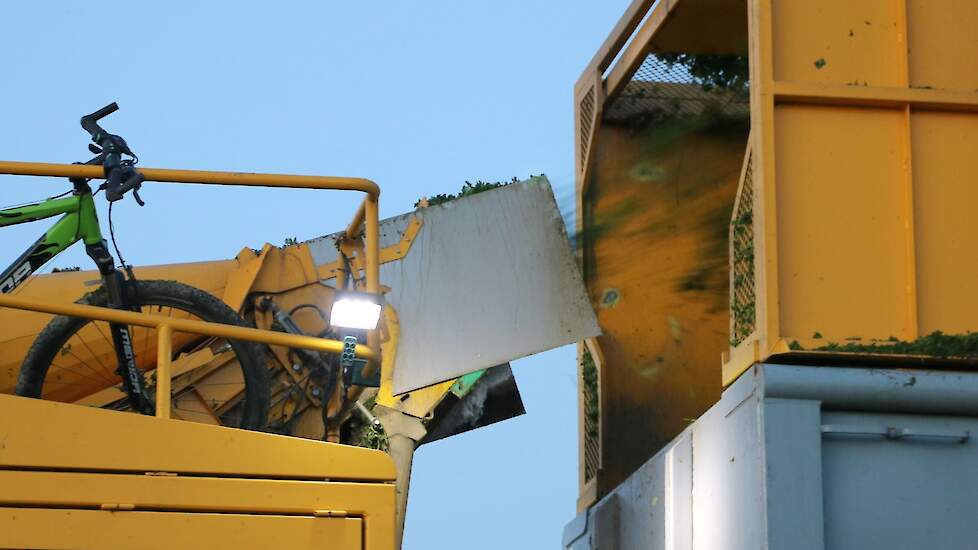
470 188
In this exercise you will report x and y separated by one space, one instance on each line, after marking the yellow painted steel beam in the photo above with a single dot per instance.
353 230
92 437
634 53
874 96
387 254
372 273
619 36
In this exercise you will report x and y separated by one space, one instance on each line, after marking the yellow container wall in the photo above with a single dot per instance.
943 48
944 215
842 223
866 119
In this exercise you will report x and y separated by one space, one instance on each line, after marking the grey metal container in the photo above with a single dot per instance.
807 458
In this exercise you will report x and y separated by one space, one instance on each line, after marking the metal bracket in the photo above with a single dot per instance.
353 367
391 253
894 434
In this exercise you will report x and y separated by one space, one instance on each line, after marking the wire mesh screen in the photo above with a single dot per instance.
742 300
670 86
592 415
586 114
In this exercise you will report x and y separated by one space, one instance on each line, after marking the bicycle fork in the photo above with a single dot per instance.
118 297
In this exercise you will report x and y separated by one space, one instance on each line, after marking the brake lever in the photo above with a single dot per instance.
135 195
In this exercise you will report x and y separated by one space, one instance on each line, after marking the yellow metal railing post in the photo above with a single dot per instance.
353 230
372 244
164 352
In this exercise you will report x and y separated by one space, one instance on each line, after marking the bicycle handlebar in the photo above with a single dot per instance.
90 122
120 175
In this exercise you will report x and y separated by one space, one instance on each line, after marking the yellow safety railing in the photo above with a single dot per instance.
367 216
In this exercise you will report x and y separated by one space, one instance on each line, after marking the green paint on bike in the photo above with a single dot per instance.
78 223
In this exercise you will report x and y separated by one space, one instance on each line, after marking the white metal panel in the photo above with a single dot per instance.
489 278
728 487
775 467
793 473
703 490
910 493
679 494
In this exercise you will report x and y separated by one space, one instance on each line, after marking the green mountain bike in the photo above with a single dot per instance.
71 356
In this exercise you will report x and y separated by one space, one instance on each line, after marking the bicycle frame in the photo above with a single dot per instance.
79 223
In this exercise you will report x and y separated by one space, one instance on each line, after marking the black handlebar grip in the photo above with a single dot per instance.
89 122
104 111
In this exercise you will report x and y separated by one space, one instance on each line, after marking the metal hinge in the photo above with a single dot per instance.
893 434
330 513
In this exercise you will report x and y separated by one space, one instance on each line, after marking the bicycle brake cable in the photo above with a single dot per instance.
62 194
122 260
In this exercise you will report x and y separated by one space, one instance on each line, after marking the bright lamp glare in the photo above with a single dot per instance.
355 313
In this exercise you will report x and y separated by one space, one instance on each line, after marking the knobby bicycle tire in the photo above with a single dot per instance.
250 406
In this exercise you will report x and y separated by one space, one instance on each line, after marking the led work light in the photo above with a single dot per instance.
359 310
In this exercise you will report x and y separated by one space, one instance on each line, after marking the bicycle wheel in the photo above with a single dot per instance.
214 380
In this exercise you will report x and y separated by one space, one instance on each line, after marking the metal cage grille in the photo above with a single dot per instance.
586 113
592 415
742 299
679 86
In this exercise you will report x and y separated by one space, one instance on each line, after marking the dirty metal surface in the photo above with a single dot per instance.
489 278
491 398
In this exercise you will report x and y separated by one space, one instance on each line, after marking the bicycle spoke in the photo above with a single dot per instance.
94 356
61 370
99 329
98 373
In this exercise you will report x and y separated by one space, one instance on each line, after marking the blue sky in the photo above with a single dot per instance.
419 96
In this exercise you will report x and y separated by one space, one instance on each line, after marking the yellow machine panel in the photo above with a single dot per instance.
108 479
111 530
